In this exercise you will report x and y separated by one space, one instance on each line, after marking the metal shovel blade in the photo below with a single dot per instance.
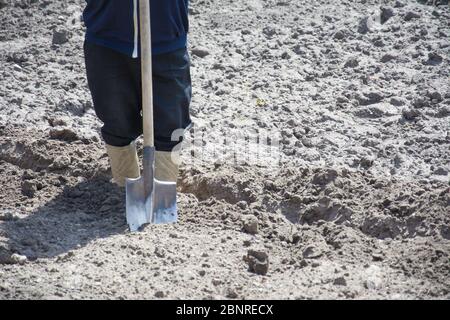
149 200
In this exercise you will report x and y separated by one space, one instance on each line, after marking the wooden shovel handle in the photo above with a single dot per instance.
146 72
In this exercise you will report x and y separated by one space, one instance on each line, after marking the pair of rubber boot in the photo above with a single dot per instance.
125 164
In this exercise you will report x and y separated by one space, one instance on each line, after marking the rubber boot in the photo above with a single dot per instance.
124 163
166 166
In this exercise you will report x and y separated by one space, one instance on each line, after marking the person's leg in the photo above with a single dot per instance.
172 97
115 90
115 95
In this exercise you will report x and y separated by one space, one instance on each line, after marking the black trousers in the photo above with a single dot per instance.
114 80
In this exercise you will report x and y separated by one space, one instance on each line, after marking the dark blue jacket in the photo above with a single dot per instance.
114 24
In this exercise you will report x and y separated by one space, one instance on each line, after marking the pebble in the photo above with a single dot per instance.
387 57
340 281
242 204
363 26
351 63
370 97
410 113
59 37
160 252
312 252
339 35
410 15
397 101
386 14
377 256
434 58
258 261
28 175
64 134
28 188
232 294
200 52
60 162
251 225
373 280
18 259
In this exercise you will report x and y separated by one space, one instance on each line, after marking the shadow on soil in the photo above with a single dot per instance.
78 215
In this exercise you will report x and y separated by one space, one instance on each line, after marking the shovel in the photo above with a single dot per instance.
148 200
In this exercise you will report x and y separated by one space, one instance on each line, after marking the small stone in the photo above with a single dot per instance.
364 25
312 252
373 279
285 55
202 273
373 283
324 177
434 58
18 259
386 14
28 188
242 204
366 161
251 225
377 256
421 102
351 63
64 134
340 281
441 171
339 35
387 57
370 97
28 175
435 95
200 52
342 100
258 261
159 294
269 31
298 49
307 142
217 282
410 113
397 101
232 294
410 15
60 162
59 37
160 252
443 112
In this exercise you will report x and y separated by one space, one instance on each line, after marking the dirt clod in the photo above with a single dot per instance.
251 224
258 261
